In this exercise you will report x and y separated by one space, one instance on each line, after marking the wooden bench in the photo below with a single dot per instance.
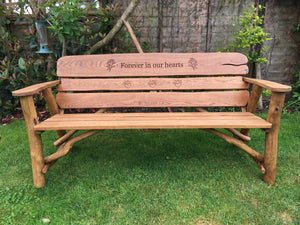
194 80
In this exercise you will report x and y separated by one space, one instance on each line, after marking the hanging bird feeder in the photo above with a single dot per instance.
42 32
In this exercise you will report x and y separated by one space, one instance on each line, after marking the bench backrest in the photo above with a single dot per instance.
153 80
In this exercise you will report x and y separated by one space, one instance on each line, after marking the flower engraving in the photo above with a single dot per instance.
152 83
177 83
127 84
193 63
110 64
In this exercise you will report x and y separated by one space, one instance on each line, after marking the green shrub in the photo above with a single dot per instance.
18 66
75 28
251 36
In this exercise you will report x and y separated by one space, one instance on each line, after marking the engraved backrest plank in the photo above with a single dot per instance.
128 80
152 64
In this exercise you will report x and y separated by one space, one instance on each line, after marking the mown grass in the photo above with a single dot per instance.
136 177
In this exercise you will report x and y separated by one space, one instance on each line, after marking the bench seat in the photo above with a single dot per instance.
186 120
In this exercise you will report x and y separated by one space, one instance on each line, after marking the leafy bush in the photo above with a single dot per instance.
64 19
71 23
18 67
251 36
11 65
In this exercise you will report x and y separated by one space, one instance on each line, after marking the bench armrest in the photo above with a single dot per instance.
276 102
270 85
34 89
28 106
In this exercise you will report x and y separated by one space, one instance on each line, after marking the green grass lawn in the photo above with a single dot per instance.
136 177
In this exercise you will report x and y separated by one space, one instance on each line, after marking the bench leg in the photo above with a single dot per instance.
270 155
35 141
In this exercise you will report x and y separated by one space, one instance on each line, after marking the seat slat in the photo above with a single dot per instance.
195 83
153 99
111 116
153 121
152 64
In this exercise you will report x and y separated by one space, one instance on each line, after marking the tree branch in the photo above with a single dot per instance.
115 29
35 6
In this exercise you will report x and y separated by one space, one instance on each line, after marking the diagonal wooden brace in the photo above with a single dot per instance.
65 148
70 133
64 138
258 158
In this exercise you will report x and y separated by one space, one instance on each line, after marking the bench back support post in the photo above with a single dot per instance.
252 104
271 142
53 107
35 141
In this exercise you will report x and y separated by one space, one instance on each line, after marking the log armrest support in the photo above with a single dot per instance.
257 89
45 88
31 119
274 113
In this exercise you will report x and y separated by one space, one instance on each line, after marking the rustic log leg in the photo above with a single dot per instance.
35 141
270 155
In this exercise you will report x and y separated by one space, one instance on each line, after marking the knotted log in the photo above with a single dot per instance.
260 166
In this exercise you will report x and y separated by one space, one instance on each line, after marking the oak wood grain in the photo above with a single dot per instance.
121 84
271 145
153 121
153 99
152 64
35 141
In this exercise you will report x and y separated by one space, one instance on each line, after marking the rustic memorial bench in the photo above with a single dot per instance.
152 80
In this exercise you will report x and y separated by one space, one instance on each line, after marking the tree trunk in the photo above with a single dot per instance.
64 47
35 5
